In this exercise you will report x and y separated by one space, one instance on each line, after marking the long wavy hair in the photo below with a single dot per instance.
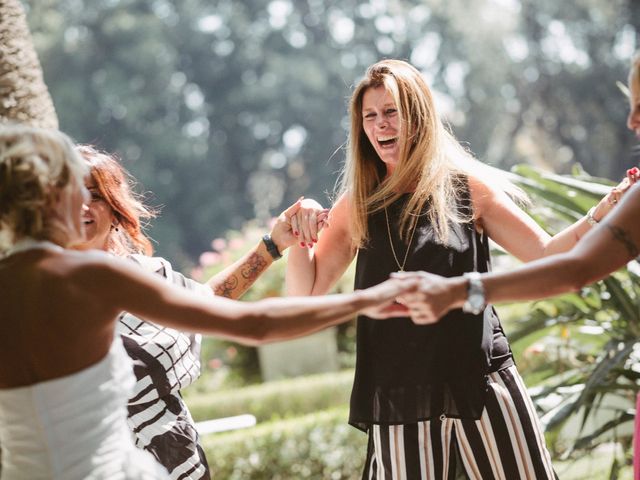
116 186
431 159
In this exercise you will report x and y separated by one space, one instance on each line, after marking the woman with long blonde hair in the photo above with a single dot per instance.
446 399
602 251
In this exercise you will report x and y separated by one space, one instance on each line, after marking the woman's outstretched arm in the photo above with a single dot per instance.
125 287
601 251
520 235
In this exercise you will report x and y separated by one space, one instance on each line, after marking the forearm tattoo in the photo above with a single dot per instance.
249 271
254 266
623 237
227 287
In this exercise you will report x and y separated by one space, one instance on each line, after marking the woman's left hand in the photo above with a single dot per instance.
292 225
308 221
615 195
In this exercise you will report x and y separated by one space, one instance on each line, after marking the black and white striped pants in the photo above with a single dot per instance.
506 443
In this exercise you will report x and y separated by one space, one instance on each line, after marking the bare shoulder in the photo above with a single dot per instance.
70 262
483 195
339 217
341 211
342 204
90 271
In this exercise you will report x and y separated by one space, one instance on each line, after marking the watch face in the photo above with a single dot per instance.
476 301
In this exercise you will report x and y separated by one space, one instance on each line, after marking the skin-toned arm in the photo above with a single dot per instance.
603 250
315 271
237 278
519 234
126 287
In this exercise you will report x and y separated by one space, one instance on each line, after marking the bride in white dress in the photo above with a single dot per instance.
64 380
74 426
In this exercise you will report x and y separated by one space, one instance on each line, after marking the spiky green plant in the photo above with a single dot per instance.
597 331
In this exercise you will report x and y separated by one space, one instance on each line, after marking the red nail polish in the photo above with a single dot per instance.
296 233
309 245
315 240
302 244
633 171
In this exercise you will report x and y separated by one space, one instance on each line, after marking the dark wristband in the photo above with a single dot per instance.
271 247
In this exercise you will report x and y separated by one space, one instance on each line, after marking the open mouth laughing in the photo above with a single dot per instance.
386 142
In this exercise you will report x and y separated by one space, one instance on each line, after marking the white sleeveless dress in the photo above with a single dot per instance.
74 427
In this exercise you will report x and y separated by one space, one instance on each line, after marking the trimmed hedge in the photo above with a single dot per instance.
316 446
280 399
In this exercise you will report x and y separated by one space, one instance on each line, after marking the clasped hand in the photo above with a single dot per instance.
429 301
300 223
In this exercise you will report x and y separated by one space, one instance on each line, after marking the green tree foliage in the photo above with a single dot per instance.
228 110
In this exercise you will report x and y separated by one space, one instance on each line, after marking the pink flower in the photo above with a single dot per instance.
209 258
236 243
219 244
215 363
232 352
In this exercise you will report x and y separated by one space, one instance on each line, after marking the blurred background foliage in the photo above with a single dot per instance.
228 364
230 110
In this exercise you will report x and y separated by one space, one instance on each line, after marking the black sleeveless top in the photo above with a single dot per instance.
406 373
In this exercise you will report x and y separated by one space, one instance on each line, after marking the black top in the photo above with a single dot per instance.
406 373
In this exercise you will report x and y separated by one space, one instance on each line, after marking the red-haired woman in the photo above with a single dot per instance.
166 360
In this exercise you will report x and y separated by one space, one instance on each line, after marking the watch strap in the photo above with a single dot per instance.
271 247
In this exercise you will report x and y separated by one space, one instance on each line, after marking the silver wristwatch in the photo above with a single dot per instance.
476 301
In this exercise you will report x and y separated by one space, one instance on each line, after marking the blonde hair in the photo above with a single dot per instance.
37 168
431 160
634 78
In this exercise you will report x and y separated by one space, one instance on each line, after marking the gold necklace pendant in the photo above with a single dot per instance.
393 250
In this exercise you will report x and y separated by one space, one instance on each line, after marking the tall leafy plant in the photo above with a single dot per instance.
598 330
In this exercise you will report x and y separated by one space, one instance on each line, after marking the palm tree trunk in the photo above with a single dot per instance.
24 97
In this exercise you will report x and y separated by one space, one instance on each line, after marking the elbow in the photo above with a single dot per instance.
576 271
268 323
259 335
254 327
